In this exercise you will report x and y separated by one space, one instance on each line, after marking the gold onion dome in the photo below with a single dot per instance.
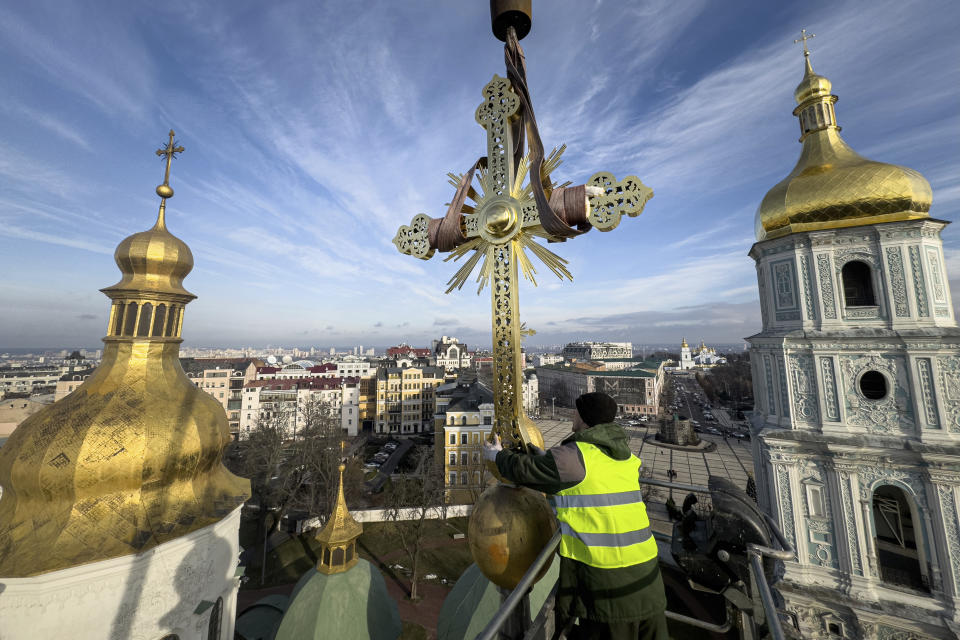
131 458
832 186
154 260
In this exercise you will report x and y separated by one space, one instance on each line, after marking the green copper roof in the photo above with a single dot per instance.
353 604
471 604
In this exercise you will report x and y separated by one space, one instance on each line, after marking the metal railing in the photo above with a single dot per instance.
765 612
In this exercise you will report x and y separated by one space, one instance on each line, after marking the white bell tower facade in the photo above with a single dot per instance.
856 378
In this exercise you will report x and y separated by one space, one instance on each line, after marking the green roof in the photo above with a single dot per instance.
352 604
260 620
474 599
625 373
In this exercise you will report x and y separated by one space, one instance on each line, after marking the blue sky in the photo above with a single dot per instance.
313 130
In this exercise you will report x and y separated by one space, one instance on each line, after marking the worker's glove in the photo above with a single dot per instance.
491 449
534 450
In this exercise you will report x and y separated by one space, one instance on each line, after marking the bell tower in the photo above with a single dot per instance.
856 377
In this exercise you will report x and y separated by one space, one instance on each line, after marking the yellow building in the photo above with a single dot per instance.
464 421
405 399
368 401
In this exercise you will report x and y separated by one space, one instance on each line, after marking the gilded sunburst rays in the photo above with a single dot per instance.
481 250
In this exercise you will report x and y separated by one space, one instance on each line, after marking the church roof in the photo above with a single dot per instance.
474 599
352 604
832 186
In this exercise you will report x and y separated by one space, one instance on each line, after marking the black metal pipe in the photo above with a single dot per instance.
700 624
766 598
679 486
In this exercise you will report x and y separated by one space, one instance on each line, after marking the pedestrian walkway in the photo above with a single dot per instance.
731 459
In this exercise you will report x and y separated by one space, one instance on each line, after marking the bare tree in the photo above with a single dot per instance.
316 454
289 474
408 504
260 457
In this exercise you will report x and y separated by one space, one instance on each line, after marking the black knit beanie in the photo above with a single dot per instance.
596 408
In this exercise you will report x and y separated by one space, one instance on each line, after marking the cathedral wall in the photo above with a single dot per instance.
826 440
174 588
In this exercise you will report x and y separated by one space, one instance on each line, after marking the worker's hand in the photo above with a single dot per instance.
534 450
491 449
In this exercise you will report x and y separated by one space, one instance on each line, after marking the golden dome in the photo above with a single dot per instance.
131 458
812 85
832 186
153 260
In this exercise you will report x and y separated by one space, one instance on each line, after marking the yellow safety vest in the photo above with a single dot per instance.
603 520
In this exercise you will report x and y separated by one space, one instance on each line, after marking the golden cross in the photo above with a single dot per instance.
171 152
803 38
501 225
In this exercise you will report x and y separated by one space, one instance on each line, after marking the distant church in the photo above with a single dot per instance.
856 376
703 358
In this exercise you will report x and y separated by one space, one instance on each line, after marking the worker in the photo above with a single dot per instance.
609 572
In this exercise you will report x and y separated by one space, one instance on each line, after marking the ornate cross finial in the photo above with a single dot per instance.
803 38
504 223
171 151
164 190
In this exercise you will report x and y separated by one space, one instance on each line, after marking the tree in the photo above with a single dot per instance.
259 457
289 474
316 454
408 504
751 486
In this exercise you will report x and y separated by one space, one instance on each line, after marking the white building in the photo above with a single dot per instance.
707 357
288 400
531 393
597 350
856 377
354 368
686 358
350 408
451 354
544 359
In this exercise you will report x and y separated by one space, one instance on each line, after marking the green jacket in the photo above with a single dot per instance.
604 595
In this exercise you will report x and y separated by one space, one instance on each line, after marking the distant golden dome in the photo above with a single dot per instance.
831 185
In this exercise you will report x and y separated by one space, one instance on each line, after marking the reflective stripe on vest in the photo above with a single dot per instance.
603 521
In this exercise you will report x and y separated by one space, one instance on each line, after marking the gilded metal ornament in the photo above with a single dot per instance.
498 229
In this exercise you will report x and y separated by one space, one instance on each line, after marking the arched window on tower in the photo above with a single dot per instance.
857 284
158 319
898 545
146 315
130 319
118 319
172 321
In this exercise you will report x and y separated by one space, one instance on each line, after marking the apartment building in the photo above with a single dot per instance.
224 379
464 418
636 389
288 400
405 399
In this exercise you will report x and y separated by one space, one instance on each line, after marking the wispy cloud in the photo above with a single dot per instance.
312 133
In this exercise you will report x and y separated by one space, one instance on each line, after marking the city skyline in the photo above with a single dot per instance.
312 134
